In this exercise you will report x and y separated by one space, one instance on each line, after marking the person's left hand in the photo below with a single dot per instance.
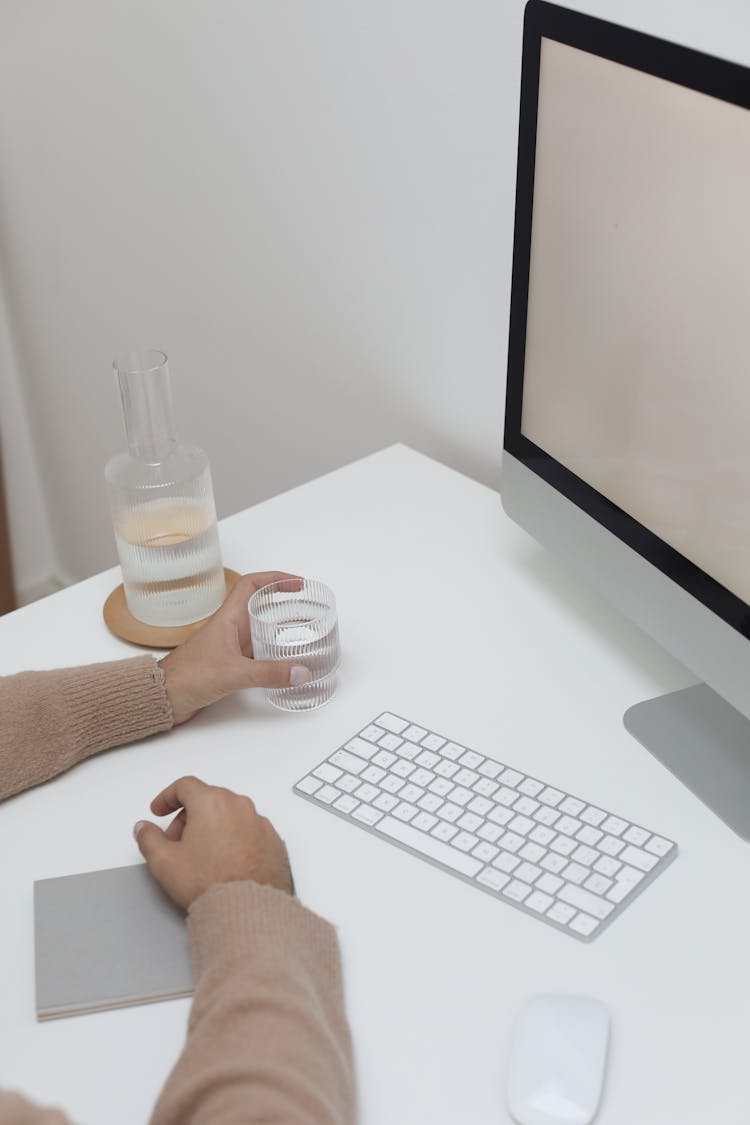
218 658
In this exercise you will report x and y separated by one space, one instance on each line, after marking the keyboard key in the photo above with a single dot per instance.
511 777
402 768
347 782
583 924
538 901
541 835
492 878
327 794
480 805
361 748
614 825
308 784
409 751
529 872
658 846
461 796
453 751
574 873
429 846
554 863
490 832
391 723
444 831
506 796
371 733
485 851
470 821
466 777
517 891
346 803
446 769
525 806
432 742
449 811
635 835
431 802
563 845
610 845
546 815
441 786
532 852
607 866
373 774
572 806
367 815
427 759
465 841
405 811
471 760
423 777
529 787
569 825
414 733
385 802
484 787
500 815
550 796
327 772
585 855
424 820
384 759
506 862
391 783
598 884
584 900
561 913
639 858
550 884
490 769
521 825
511 842
589 835
411 793
593 815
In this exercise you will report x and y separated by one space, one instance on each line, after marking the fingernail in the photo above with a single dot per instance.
137 827
299 675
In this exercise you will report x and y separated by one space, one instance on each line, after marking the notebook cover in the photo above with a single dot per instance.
107 939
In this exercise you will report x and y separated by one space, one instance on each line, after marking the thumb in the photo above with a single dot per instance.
275 673
151 841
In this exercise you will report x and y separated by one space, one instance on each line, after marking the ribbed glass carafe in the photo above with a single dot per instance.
162 504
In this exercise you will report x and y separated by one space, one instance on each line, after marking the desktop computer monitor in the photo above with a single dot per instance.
627 432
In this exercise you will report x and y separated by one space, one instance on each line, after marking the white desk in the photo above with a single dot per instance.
452 616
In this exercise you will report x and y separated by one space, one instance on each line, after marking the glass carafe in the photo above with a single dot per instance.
162 504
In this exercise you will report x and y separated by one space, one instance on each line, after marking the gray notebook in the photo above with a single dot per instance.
107 939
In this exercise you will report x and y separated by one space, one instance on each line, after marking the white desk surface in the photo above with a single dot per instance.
452 616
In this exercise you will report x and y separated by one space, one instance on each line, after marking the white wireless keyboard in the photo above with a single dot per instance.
553 855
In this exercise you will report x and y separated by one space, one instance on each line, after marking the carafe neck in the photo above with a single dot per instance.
146 397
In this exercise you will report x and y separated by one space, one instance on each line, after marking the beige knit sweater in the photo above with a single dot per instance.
267 1037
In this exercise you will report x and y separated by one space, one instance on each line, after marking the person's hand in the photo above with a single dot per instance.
217 659
216 837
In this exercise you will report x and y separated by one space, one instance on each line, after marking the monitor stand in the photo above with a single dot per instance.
705 743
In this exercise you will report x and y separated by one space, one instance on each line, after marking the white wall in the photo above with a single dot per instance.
307 205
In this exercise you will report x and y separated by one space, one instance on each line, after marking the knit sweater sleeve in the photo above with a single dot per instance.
268 1038
51 720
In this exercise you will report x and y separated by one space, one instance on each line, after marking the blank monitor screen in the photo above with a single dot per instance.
637 374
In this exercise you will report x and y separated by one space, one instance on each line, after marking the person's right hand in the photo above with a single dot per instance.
216 837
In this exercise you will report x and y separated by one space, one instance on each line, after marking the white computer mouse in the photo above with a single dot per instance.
557 1059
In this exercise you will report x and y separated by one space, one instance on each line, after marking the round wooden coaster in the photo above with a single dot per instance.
120 621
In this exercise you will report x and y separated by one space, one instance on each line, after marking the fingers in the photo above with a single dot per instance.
151 840
176 827
275 673
177 795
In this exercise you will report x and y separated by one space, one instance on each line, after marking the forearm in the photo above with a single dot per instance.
268 1038
16 1110
51 720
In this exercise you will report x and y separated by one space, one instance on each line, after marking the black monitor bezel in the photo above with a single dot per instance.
697 71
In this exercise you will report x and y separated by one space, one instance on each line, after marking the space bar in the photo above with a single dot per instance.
428 846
